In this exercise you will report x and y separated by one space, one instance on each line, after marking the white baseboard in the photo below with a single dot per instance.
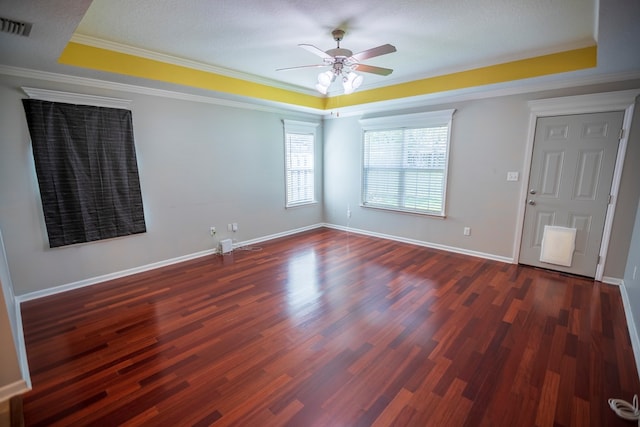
612 281
422 243
106 277
631 325
99 279
278 235
15 319
116 275
13 389
23 385
22 347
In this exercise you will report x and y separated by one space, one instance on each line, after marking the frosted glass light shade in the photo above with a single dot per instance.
326 78
322 89
351 82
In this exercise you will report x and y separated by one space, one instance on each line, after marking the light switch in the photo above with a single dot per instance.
512 176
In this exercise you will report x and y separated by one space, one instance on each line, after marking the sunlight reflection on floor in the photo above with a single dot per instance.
302 283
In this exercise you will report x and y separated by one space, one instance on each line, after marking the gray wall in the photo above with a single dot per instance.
10 372
200 165
631 283
207 165
488 139
627 202
484 147
10 369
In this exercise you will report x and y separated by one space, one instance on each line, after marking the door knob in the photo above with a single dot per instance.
531 202
532 191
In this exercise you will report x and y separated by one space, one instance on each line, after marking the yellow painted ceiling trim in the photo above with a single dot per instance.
86 56
555 63
116 62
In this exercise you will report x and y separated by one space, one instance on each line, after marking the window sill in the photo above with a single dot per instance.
401 211
299 205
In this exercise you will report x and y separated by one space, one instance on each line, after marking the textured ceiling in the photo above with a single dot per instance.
257 37
250 39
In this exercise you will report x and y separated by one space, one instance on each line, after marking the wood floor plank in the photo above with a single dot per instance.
328 328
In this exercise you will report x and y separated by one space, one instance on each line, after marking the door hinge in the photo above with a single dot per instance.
610 198
599 258
621 134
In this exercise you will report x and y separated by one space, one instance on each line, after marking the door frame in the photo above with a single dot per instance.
580 104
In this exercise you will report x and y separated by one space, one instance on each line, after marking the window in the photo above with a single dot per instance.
87 172
404 164
299 148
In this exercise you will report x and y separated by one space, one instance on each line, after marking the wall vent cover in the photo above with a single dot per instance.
14 27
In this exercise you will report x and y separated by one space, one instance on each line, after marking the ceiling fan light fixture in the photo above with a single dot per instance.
322 89
326 78
351 82
324 81
343 62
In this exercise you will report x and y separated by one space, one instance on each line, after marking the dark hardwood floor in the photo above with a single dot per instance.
327 328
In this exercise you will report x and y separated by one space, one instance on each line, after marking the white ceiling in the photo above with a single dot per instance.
257 37
251 38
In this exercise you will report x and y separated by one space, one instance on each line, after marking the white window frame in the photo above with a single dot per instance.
408 121
299 128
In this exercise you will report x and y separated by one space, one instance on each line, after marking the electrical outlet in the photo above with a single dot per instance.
467 231
513 176
212 231
234 227
348 213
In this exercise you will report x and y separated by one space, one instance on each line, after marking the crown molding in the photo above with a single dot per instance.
266 106
520 56
183 62
481 92
461 95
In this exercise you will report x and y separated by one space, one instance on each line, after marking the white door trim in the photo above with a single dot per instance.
580 104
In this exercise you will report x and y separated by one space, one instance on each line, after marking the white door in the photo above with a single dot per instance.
569 186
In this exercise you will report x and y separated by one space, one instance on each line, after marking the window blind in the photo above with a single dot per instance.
405 167
299 163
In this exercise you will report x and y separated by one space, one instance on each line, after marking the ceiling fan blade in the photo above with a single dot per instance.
375 51
311 48
303 66
373 70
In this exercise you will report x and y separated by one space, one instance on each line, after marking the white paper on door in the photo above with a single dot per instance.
558 245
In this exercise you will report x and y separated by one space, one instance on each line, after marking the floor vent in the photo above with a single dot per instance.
14 27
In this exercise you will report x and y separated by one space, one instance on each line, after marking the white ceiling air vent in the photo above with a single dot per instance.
14 27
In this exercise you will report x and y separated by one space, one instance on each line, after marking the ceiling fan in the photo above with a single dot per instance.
343 63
